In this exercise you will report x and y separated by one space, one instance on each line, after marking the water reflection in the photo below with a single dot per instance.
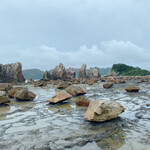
4 109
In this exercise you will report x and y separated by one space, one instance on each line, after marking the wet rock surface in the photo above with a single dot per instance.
62 126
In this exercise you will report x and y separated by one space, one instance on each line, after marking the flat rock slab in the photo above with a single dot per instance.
61 96
101 110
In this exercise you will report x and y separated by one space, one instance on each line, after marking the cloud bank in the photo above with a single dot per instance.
105 55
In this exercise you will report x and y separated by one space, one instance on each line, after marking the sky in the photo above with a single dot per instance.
43 33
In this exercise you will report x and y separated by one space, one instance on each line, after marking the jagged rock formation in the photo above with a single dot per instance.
82 71
47 76
11 73
59 72
71 73
94 73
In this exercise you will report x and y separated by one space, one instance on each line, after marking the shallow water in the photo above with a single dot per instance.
39 125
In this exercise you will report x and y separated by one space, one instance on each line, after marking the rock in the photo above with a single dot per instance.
94 73
63 95
4 99
59 72
71 73
75 90
47 76
132 88
82 72
62 85
11 73
82 101
40 83
30 81
74 81
24 95
5 87
108 85
101 110
2 93
12 92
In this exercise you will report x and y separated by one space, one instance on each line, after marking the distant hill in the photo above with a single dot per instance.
38 74
126 70
33 73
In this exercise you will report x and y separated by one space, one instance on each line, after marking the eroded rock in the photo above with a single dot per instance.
82 71
75 90
94 73
59 72
82 101
108 85
11 73
101 110
4 99
62 85
71 73
47 76
24 95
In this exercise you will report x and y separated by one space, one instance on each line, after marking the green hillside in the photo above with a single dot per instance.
33 73
125 70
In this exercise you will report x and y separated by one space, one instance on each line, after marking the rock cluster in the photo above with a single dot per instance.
94 73
11 73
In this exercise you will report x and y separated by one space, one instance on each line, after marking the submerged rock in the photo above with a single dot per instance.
82 101
132 88
11 73
82 72
24 95
61 96
75 90
4 99
108 85
101 110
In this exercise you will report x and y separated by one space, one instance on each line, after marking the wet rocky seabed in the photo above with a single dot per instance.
38 125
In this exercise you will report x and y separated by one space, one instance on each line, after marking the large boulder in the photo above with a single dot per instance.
47 76
12 92
61 96
5 87
11 73
82 72
94 73
132 88
4 99
62 85
75 90
59 72
101 110
71 73
108 85
24 95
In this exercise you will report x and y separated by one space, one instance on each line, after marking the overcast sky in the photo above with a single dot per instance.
43 33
